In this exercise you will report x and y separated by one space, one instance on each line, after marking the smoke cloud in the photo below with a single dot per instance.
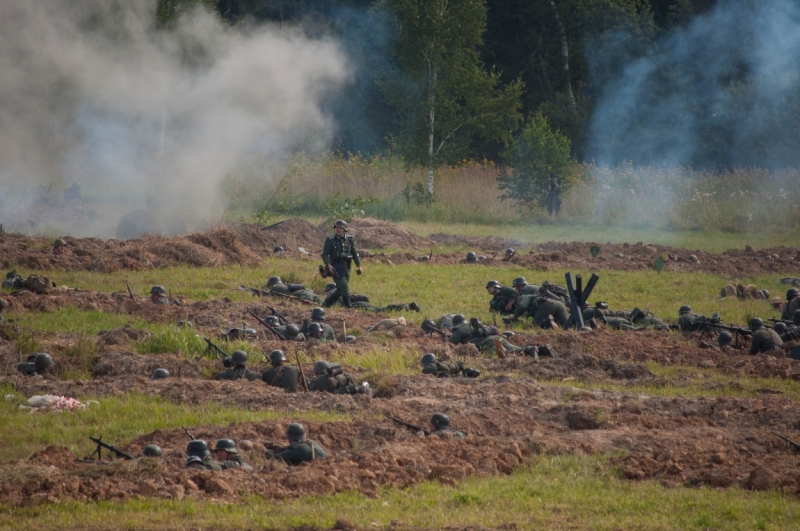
92 91
723 91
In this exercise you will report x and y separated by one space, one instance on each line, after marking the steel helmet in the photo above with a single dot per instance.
340 223
160 374
430 357
330 287
277 249
510 251
295 432
792 293
272 320
228 445
320 367
756 323
292 330
458 319
276 356
313 328
471 257
197 448
492 284
684 309
42 360
519 281
158 290
152 450
59 242
239 357
318 313
725 338
440 420
273 280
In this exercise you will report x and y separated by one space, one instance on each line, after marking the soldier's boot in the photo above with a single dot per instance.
359 298
532 351
413 306
397 307
499 350
471 373
547 350
346 301
331 299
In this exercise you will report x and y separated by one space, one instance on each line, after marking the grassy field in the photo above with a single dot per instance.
552 492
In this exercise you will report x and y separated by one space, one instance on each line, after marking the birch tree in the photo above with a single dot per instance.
446 100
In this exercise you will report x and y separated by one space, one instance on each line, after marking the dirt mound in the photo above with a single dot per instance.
50 216
291 234
218 247
377 234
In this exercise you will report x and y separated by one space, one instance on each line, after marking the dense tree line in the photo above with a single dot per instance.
442 80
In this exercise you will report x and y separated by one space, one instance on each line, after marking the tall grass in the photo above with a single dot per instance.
679 198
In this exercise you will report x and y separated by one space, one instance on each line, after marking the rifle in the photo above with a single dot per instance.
269 445
191 437
302 376
283 320
794 444
263 293
130 293
221 354
410 426
430 327
787 322
737 331
267 326
100 444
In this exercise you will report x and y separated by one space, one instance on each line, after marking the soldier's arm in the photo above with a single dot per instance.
754 345
326 252
356 258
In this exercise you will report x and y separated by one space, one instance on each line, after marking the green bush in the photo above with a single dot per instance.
534 155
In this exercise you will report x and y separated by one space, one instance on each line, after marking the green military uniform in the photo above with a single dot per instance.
282 331
296 290
447 433
529 289
285 377
238 372
764 340
341 384
160 299
501 298
339 251
235 461
212 464
443 370
789 308
299 452
690 322
327 334
484 340
545 307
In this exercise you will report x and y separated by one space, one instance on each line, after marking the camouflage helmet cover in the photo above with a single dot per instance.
276 356
226 444
152 450
430 357
295 431
42 360
239 357
440 420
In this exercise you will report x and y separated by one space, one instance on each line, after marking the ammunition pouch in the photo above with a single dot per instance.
341 382
295 287
334 370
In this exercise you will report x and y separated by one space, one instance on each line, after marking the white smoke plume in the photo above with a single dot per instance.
93 91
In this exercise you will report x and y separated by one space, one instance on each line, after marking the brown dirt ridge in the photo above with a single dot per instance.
250 244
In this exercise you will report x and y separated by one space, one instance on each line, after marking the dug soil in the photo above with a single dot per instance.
517 409
251 245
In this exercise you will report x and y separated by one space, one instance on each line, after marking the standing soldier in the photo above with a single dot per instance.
553 199
338 252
